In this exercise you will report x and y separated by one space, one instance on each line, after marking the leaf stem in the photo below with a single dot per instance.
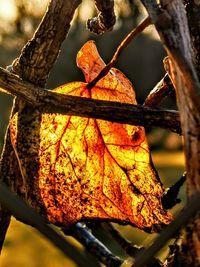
145 23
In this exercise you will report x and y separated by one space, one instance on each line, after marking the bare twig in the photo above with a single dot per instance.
181 220
24 213
105 19
83 234
162 89
145 23
112 111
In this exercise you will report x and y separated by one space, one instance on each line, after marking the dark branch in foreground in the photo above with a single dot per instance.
83 234
181 220
172 25
26 214
34 65
5 221
48 101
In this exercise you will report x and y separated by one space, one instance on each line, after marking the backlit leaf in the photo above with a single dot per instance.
77 168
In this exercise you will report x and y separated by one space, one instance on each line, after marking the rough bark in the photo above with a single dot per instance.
33 65
83 234
193 15
48 101
191 132
105 20
162 89
171 22
41 52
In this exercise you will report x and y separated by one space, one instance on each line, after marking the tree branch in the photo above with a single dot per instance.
171 23
105 19
181 220
128 247
193 14
48 101
41 52
169 199
162 89
145 23
83 234
24 213
33 65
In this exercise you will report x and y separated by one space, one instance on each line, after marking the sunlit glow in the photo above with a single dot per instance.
86 10
36 7
92 169
8 9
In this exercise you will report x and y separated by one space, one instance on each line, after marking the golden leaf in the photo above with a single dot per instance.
77 168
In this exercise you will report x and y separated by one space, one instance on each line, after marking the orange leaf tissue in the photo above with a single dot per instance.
79 169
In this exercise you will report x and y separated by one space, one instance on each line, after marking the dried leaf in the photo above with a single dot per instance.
77 168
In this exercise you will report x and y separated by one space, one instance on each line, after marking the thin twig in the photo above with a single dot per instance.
83 234
145 23
24 213
48 101
162 89
181 220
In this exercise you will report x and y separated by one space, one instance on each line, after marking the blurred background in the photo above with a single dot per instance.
141 62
